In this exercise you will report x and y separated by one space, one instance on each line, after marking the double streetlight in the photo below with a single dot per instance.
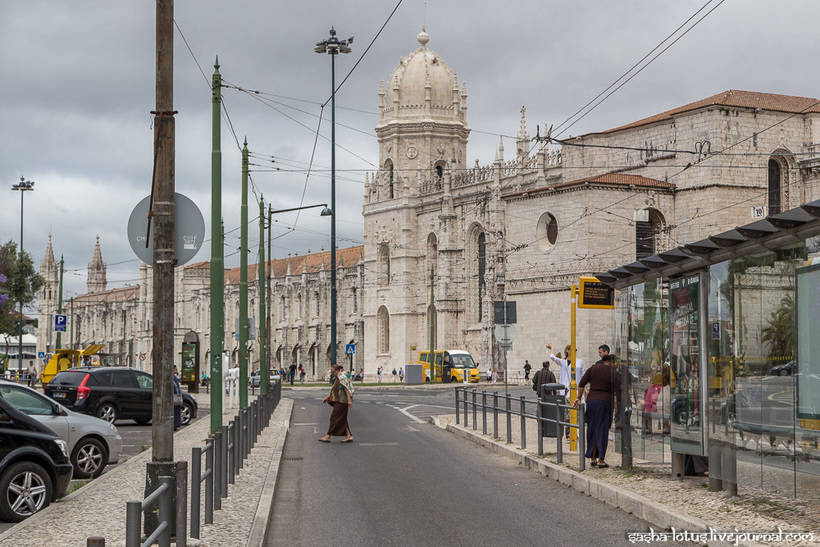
23 186
333 46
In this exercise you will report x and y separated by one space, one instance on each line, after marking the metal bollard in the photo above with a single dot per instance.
95 541
133 523
223 472
559 433
196 489
523 423
475 410
217 474
581 437
508 408
182 503
465 408
495 415
166 510
250 428
483 412
240 420
229 457
209 482
538 417
237 448
458 419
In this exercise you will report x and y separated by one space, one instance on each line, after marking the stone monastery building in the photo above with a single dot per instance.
523 227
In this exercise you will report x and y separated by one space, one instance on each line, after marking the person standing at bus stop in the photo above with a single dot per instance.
599 407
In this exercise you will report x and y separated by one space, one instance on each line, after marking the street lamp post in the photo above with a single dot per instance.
333 46
23 186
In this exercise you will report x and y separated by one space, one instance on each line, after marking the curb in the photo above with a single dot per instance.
653 512
261 520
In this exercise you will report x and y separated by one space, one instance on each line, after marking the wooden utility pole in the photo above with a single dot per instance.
162 215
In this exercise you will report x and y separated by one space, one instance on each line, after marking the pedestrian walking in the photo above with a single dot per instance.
395 374
379 373
489 375
30 373
292 371
600 379
527 369
177 390
401 374
301 374
341 399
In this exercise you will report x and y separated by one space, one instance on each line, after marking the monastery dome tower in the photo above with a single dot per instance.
422 128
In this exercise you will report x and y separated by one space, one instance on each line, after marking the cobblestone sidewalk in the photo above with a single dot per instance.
98 508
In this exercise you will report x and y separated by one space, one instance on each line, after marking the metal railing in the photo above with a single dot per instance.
546 412
225 453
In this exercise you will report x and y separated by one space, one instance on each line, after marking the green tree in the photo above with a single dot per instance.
780 332
19 282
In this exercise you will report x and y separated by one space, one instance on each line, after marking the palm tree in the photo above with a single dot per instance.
780 332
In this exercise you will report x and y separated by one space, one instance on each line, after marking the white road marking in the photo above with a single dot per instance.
378 444
306 423
406 413
411 428
302 408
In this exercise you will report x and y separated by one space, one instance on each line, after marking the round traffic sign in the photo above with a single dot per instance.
189 230
142 357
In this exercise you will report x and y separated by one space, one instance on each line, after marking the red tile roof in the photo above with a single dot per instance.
607 179
120 294
734 98
351 256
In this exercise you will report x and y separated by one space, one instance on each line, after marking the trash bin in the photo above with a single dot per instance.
549 394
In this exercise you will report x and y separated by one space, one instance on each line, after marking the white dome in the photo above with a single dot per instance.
405 92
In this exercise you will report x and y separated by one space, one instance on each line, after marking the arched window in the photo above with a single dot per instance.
354 297
775 178
432 257
384 264
383 319
482 268
316 298
546 232
439 168
299 305
650 233
388 171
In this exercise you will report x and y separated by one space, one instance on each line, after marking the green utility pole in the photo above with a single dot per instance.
243 283
217 259
60 305
431 358
261 335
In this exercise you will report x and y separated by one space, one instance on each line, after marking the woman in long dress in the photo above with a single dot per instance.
599 408
341 399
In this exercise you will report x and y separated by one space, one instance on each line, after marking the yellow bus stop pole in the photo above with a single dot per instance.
573 388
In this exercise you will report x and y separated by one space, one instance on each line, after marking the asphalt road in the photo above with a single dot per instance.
406 482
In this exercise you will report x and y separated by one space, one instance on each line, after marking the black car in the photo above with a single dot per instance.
34 465
111 393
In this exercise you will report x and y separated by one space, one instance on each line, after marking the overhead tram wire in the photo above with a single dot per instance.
361 57
635 65
619 86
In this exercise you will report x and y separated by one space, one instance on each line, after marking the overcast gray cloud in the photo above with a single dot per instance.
79 86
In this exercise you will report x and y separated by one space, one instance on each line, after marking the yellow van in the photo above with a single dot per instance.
64 359
449 366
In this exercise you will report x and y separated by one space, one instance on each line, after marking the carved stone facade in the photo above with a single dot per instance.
522 228
527 227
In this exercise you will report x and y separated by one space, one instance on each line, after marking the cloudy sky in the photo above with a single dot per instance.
78 86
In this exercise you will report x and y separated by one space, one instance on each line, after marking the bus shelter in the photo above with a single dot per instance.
722 341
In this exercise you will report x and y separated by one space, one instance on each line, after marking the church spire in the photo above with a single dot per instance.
48 264
96 270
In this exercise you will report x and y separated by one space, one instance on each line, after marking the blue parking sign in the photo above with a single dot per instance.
350 349
60 322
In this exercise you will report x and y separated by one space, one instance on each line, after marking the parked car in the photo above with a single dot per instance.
34 465
92 443
111 393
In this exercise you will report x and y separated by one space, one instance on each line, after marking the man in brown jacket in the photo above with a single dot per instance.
543 376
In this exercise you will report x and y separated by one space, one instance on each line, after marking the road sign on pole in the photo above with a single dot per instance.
60 322
350 349
505 334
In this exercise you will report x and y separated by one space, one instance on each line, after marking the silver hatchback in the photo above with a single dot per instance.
92 443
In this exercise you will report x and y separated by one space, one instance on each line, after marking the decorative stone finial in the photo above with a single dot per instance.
423 37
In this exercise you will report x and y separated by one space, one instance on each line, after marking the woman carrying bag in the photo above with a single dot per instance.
341 399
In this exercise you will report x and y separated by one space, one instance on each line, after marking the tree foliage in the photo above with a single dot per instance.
779 334
18 282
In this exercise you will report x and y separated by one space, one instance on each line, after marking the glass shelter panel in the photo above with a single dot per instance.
684 332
